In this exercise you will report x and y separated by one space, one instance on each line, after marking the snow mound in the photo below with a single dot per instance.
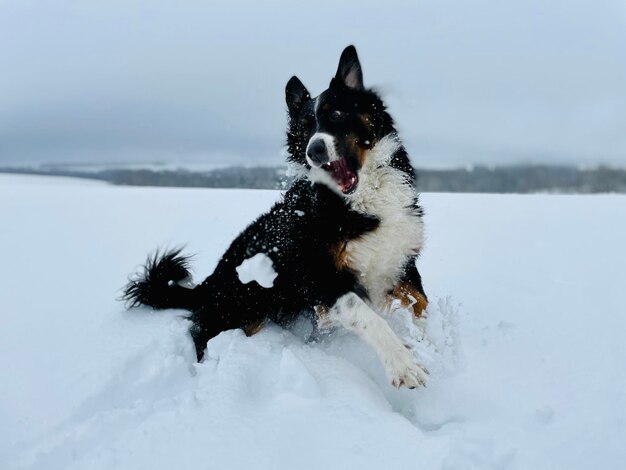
158 408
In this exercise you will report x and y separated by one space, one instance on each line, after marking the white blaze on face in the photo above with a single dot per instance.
329 141
318 174
259 268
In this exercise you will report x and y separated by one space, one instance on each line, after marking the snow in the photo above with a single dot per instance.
257 268
523 338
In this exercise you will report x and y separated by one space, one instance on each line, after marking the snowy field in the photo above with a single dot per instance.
524 338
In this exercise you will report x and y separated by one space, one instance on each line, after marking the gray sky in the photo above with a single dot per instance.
467 82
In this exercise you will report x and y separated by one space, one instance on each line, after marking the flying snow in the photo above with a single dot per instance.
259 268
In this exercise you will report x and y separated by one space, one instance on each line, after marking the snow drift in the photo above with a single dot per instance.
523 337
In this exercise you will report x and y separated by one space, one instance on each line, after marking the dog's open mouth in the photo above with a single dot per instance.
343 175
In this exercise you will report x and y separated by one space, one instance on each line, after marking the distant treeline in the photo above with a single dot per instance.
524 179
479 179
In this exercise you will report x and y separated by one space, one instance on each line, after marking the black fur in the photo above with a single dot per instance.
300 249
158 286
301 234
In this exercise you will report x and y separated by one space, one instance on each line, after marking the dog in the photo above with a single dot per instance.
340 245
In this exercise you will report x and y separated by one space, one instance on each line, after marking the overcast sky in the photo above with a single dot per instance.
467 81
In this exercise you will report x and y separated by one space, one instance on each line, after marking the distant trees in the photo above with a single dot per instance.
524 179
480 179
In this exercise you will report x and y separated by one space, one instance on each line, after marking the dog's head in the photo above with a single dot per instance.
331 135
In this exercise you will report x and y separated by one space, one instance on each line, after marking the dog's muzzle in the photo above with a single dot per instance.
317 152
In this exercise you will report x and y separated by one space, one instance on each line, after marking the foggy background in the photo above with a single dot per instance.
468 82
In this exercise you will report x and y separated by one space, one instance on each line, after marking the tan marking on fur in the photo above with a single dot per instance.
409 297
321 310
323 319
341 256
362 153
254 328
358 148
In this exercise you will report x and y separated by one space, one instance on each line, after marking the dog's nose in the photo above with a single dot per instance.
317 152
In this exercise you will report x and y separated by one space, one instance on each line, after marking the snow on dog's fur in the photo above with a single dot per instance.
339 246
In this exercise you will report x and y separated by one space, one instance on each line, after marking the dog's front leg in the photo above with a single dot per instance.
351 312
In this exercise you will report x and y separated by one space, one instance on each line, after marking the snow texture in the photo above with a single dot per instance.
258 268
524 339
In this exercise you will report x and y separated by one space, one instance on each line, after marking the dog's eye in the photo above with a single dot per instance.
336 116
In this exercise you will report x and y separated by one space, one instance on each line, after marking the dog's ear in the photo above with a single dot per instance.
295 94
349 71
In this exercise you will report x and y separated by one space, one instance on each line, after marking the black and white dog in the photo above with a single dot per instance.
340 245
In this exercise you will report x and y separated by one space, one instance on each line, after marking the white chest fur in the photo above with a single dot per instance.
379 256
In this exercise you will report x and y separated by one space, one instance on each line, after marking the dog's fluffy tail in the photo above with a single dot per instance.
164 283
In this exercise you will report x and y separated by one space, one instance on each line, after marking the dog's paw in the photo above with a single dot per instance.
405 372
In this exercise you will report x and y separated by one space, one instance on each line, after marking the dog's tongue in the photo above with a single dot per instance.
344 177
